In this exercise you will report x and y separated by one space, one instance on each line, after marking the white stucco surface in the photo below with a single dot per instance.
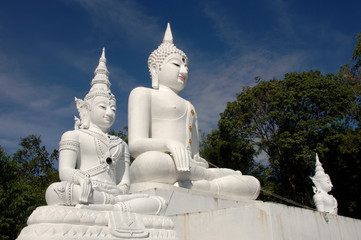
203 216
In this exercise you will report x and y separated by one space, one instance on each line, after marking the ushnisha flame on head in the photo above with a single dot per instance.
100 86
164 50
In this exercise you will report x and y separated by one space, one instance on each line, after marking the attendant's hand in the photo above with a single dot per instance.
180 155
123 187
86 188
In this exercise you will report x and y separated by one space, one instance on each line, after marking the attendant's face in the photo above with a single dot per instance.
102 112
325 183
174 73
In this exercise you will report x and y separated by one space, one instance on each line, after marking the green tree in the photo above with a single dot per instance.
123 134
287 120
23 182
347 167
36 164
351 73
222 148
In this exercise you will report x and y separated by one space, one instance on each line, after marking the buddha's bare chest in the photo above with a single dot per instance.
168 106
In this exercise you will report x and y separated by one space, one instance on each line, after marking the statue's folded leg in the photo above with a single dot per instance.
68 194
153 166
244 186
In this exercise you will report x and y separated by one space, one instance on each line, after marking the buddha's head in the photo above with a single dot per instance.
99 105
168 65
321 180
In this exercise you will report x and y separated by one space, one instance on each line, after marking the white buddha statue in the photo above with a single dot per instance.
324 202
93 165
163 132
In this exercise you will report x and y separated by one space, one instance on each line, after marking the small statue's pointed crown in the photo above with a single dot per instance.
101 73
100 85
319 169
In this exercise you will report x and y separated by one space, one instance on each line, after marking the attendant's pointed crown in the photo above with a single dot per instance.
320 176
319 171
100 86
165 49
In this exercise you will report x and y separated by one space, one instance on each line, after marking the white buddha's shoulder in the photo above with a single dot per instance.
141 91
140 94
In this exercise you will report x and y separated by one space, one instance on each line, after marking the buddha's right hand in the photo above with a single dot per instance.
180 155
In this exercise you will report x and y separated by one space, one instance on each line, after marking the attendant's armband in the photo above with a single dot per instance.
127 157
69 145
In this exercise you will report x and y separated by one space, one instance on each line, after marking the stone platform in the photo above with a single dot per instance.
74 223
199 215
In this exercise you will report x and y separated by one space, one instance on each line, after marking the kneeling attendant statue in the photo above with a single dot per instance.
163 132
324 202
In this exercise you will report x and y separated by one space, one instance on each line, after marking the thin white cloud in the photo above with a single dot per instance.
225 27
25 92
29 107
215 81
284 18
124 19
211 90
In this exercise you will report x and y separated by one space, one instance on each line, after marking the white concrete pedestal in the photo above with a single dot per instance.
199 216
72 223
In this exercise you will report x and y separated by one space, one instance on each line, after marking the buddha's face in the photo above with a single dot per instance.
174 72
102 112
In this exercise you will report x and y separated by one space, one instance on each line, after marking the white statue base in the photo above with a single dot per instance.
74 223
190 215
198 215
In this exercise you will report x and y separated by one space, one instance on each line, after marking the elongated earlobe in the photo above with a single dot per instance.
154 73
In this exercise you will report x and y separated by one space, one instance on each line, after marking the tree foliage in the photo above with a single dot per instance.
123 134
351 73
288 121
24 179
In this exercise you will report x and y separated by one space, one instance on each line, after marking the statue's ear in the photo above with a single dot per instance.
154 70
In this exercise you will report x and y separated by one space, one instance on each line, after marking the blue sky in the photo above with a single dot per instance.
50 49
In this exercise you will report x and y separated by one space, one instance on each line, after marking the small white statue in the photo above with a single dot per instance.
163 132
324 202
93 165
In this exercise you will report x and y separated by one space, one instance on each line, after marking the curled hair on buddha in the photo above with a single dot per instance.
100 86
157 57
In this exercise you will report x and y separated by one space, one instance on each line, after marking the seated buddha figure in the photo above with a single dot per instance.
163 132
324 202
93 165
